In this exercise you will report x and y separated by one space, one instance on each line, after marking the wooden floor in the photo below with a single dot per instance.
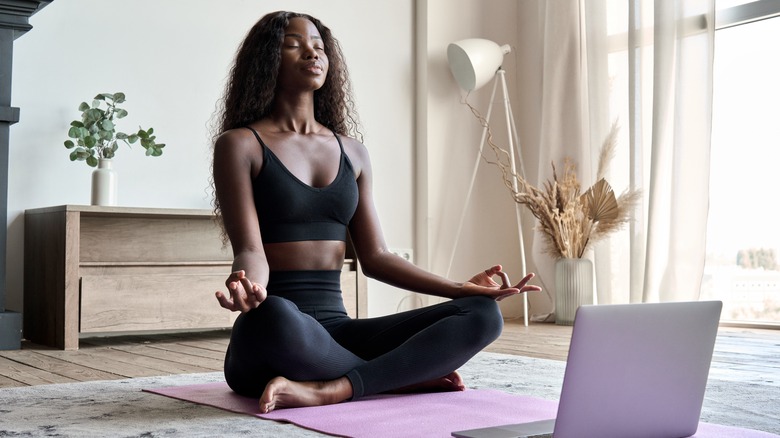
744 352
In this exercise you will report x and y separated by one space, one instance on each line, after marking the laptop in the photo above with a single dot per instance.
633 370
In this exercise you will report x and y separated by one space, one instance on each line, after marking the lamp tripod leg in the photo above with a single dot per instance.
514 152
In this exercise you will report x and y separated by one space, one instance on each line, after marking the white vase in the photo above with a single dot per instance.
573 288
104 181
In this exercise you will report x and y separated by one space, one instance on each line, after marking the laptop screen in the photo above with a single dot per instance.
637 367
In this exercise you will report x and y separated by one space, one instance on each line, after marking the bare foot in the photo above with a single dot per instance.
283 393
450 382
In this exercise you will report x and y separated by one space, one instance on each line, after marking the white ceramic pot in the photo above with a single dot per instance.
573 288
104 182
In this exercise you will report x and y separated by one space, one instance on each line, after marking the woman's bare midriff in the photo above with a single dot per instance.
305 256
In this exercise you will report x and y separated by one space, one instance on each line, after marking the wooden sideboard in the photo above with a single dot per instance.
96 270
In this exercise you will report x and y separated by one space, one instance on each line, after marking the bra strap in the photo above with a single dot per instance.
257 136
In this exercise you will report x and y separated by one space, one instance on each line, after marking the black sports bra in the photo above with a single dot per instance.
290 210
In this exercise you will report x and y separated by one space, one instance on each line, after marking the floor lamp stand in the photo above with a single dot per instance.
514 149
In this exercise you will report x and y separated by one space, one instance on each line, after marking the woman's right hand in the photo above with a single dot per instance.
244 294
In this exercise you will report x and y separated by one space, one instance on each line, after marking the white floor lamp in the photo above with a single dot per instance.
474 62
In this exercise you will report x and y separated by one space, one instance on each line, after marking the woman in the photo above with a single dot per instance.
289 183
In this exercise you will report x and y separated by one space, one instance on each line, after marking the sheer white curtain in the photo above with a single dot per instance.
679 146
564 115
647 64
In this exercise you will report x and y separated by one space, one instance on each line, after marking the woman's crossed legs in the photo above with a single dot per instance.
288 358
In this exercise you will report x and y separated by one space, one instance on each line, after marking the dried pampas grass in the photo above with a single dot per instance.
569 219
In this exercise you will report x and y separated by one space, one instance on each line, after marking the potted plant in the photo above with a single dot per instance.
95 140
571 220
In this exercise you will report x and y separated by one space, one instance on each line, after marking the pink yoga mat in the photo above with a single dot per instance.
424 415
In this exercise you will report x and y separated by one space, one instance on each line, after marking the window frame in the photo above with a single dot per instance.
746 13
739 15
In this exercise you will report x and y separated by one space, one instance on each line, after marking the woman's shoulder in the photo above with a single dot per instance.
235 136
238 145
236 140
353 145
355 150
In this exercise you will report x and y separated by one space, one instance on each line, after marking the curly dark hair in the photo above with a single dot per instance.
251 86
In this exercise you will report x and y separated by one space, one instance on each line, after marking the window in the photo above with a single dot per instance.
743 235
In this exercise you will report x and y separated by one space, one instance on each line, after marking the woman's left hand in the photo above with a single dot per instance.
483 284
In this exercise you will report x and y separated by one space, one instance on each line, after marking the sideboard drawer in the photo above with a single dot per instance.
155 300
150 239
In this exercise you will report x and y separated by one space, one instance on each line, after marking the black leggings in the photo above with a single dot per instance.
302 332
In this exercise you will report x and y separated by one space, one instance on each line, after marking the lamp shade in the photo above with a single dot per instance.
474 61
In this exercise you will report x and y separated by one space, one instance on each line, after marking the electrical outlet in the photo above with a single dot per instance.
404 253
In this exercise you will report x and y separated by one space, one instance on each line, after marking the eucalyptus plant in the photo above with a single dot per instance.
95 135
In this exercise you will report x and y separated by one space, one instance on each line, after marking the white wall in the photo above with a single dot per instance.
452 137
449 138
170 57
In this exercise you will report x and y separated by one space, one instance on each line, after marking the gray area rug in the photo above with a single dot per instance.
119 408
